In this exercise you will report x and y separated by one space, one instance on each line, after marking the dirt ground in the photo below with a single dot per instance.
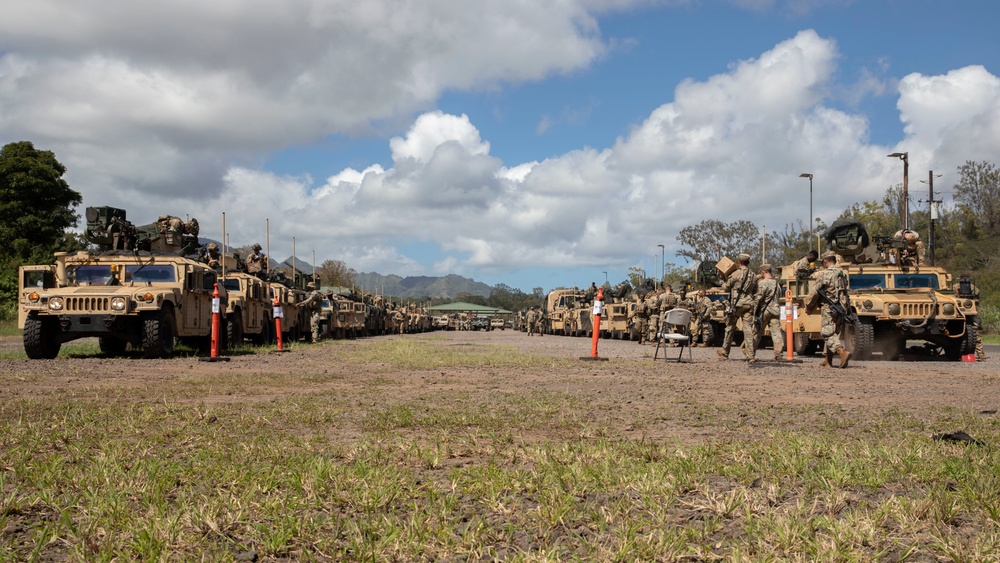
627 386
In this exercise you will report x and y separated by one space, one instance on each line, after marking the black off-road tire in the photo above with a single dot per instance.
40 342
864 339
112 346
158 334
266 335
234 330
960 347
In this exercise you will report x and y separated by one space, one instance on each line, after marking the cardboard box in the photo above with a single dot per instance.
726 266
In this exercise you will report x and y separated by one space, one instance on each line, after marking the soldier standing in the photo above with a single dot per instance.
702 315
832 281
668 300
642 319
768 293
969 289
653 306
742 286
314 303
532 321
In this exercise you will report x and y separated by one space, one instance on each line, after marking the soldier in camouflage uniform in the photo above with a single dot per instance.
977 323
314 303
702 315
833 282
768 293
213 258
668 300
641 319
742 286
532 319
256 262
653 306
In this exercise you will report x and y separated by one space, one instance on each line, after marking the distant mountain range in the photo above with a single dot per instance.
414 287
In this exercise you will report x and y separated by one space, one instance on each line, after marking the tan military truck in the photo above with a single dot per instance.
558 310
137 290
614 320
348 317
249 311
294 319
894 302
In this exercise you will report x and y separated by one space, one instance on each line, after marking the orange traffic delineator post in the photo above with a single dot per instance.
216 321
598 311
789 327
279 313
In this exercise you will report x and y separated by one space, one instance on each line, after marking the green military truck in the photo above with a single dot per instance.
139 289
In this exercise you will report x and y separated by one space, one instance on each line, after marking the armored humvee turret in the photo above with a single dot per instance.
138 289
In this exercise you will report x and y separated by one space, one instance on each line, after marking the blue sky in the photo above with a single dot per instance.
534 144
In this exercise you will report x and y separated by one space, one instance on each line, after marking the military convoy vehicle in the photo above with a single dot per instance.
895 300
347 317
562 310
294 314
614 320
249 310
139 289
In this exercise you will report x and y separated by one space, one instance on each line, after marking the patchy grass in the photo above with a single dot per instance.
415 354
321 472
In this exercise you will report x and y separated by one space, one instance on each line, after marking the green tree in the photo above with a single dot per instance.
978 192
711 239
336 273
36 203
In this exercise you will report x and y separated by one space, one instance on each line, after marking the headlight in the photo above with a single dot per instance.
893 309
948 309
868 304
33 297
56 303
968 303
118 304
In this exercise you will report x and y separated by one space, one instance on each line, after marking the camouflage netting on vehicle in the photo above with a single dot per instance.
847 238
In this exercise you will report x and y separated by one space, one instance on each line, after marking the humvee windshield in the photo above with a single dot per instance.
91 274
326 303
906 281
231 284
718 297
151 273
867 281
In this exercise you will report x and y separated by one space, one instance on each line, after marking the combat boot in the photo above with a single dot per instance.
722 355
845 357
827 360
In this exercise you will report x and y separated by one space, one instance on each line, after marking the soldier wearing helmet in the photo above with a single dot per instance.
832 282
213 257
257 261
913 253
314 303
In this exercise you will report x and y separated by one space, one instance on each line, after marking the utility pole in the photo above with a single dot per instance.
933 208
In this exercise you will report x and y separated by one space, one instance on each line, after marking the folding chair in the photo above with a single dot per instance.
676 327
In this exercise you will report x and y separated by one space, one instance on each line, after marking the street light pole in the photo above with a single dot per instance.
905 157
663 266
605 277
810 176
